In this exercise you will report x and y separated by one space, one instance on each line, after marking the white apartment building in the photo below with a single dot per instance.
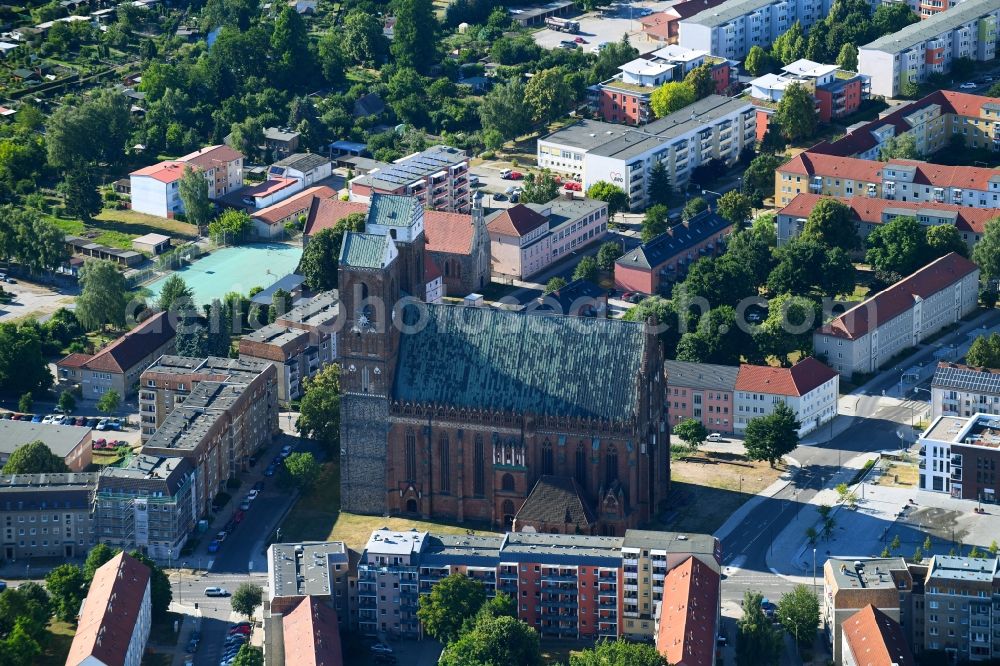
714 127
960 390
968 30
809 388
155 189
731 29
899 317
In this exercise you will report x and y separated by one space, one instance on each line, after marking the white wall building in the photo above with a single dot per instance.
968 30
714 127
960 390
809 388
155 189
308 168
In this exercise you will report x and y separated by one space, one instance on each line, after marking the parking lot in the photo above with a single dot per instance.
609 26
31 300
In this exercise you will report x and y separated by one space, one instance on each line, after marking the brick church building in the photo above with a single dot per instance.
486 415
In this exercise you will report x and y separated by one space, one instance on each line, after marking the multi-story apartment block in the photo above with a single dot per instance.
701 391
656 264
217 427
868 335
298 344
170 379
869 214
910 55
625 97
156 188
116 616
809 388
961 455
687 626
961 598
872 638
895 180
438 177
149 505
311 569
959 390
731 29
715 127
47 515
527 238
564 585
849 585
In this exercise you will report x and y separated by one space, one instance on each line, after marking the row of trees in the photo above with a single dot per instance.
759 641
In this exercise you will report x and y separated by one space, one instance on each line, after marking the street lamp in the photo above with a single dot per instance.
795 630
814 571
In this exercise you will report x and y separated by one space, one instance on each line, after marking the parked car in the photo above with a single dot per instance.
269 471
515 197
102 424
286 451
381 648
238 517
221 535
100 443
37 418
241 628
252 495
568 44
245 505
473 181
213 547
216 592
516 175
580 40
5 415
573 186
714 437
80 421
505 173
92 423
968 85
3 585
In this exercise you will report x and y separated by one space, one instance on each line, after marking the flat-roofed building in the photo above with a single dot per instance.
437 176
960 596
70 443
320 569
901 316
960 390
961 456
851 584
47 515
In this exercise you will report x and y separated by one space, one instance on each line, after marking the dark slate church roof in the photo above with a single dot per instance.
485 358
556 499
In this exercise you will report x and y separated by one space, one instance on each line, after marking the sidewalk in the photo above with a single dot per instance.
747 507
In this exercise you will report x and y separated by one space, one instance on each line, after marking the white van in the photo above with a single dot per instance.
505 173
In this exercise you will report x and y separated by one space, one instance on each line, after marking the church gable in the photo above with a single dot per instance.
489 359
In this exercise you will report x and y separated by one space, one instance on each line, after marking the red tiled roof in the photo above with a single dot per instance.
110 611
686 628
940 175
268 187
165 172
312 635
448 232
813 164
518 220
658 24
293 204
75 360
870 210
798 380
898 298
875 639
129 349
212 156
324 213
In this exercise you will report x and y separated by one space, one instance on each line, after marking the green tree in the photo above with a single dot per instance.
807 267
249 655
319 409
664 312
618 653
160 592
20 648
292 58
692 432
693 207
722 281
500 641
758 179
66 588
671 97
909 89
363 41
193 191
888 19
303 470
90 132
548 94
993 548
788 328
918 555
281 302
505 110
986 253
701 81
735 207
555 284
175 294
607 254
759 62
99 554
897 248
414 40
612 195
790 45
772 436
67 403
847 59
232 226
613 56
899 148
984 352
539 188
758 642
25 402
754 249
321 256
661 192
109 401
34 458
80 192
799 614
654 222
587 269
943 239
831 223
247 599
102 296
796 114
451 600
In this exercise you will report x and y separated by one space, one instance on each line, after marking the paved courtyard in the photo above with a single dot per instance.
32 300
619 19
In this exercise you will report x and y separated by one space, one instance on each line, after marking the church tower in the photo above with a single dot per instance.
480 245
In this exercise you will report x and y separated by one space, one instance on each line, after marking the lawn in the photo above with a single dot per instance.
707 487
57 646
117 228
105 458
162 634
315 517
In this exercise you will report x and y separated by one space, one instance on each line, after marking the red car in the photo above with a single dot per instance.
100 443
238 517
573 186
580 40
516 175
